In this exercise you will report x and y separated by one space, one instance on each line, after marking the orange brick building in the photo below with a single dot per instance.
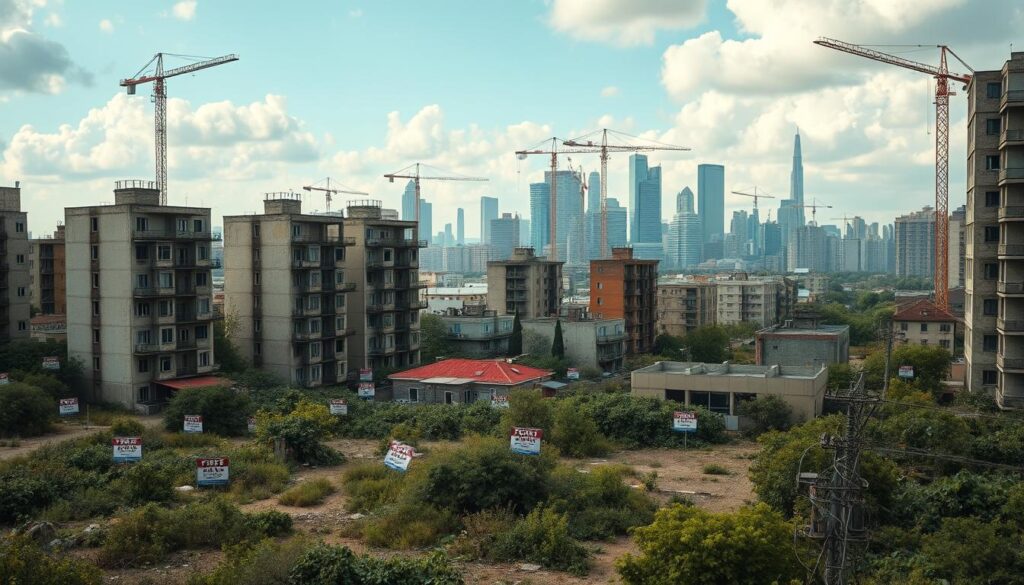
624 287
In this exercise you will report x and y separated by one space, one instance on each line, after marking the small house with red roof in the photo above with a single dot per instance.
464 381
922 322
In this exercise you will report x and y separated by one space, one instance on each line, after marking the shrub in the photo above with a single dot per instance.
370 486
303 430
527 408
255 474
268 562
225 411
269 523
328 565
637 422
48 383
599 504
542 537
409 525
765 413
124 426
575 435
145 481
307 493
715 469
24 563
25 410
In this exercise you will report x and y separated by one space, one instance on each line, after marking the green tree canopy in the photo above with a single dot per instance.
434 341
709 343
930 362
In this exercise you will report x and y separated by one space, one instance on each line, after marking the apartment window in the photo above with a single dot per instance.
339 277
201 279
197 225
991 198
991 233
314 373
339 323
314 278
339 346
989 343
141 224
256 278
166 279
255 230
339 254
992 162
202 332
96 363
204 305
167 335
202 252
142 336
144 392
257 325
296 230
94 224
141 309
95 279
314 325
944 327
944 343
95 335
183 334
22 325
19 226
314 350
924 328
990 307
21 291
166 308
313 302
993 90
991 270
988 377
257 348
992 126
143 366
256 302
19 259
94 252
163 252
165 364
182 225
339 301
95 308
204 358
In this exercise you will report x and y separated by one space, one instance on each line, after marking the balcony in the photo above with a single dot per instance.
410 243
145 348
206 369
380 308
1010 325
1011 138
345 287
1012 212
204 316
1009 363
305 263
1008 251
184 344
1011 98
478 335
153 235
611 337
1010 288
166 319
306 312
1011 175
306 335
309 288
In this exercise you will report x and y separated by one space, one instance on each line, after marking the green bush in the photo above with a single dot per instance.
542 537
409 525
22 562
715 469
330 565
307 493
225 412
527 408
25 411
370 486
303 430
575 435
255 474
124 426
267 562
636 422
269 523
765 413
599 504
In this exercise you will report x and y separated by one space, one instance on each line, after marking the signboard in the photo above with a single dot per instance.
526 441
251 424
365 375
399 456
212 471
127 449
51 363
366 390
4 378
572 373
339 407
498 401
906 371
68 406
193 423
684 422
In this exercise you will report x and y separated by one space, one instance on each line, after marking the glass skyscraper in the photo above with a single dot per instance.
540 212
569 230
644 201
488 211
711 201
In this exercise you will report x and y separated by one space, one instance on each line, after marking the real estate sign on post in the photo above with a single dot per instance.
250 424
4 378
213 471
365 375
572 373
339 407
127 449
68 406
366 390
526 441
499 401
684 422
399 456
51 363
193 423
906 371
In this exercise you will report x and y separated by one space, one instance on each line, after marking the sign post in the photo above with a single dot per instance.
526 441
193 423
127 449
4 378
572 373
906 371
250 424
684 422
399 456
339 407
212 472
499 401
68 406
365 375
51 363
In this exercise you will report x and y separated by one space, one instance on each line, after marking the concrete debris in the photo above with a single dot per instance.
529 567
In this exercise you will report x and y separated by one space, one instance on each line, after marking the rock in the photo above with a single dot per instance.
356 516
55 544
41 532
184 488
529 567
91 528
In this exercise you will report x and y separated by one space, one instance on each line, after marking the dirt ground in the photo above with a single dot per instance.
679 472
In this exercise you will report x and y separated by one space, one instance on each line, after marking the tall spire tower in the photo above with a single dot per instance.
796 178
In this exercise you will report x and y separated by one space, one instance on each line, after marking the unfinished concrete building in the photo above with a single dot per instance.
48 276
525 284
15 306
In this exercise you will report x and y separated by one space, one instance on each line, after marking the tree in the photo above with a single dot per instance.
224 411
930 362
25 410
434 341
709 343
766 413
688 545
558 345
515 343
227 355
536 344
527 408
669 345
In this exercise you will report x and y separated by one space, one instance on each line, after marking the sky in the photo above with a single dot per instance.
353 90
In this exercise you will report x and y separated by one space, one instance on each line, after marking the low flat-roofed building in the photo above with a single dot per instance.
788 345
440 299
590 341
456 381
49 328
721 387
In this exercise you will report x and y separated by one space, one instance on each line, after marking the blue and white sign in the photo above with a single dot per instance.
684 422
127 449
212 472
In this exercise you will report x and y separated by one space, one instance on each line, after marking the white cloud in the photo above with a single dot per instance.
53 20
609 91
623 22
184 10
355 13
29 62
106 26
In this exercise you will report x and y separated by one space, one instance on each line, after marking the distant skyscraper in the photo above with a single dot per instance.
540 212
449 237
569 229
594 191
685 240
409 202
915 243
524 232
808 248
644 201
684 201
426 219
711 200
737 241
617 223
460 227
488 211
504 236
593 217
796 177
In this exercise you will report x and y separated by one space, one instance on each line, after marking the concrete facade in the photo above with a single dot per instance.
748 301
478 332
440 299
922 323
625 287
524 284
720 387
48 273
915 243
15 282
685 306
139 294
799 346
589 342
286 291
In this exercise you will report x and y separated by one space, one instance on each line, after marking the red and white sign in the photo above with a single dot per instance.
906 371
339 407
399 456
212 471
193 423
68 406
572 373
4 378
526 441
250 424
365 375
51 363
684 422
366 390
499 401
127 449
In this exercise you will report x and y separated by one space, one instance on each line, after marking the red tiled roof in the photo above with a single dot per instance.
48 319
483 371
922 310
199 382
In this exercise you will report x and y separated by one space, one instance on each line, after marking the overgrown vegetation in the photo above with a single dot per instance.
307 493
225 411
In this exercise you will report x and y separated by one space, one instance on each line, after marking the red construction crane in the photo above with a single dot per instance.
329 191
942 77
584 144
413 172
553 220
159 76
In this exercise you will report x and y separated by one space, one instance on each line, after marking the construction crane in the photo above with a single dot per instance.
814 206
942 77
585 144
755 195
553 207
159 78
330 191
413 172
